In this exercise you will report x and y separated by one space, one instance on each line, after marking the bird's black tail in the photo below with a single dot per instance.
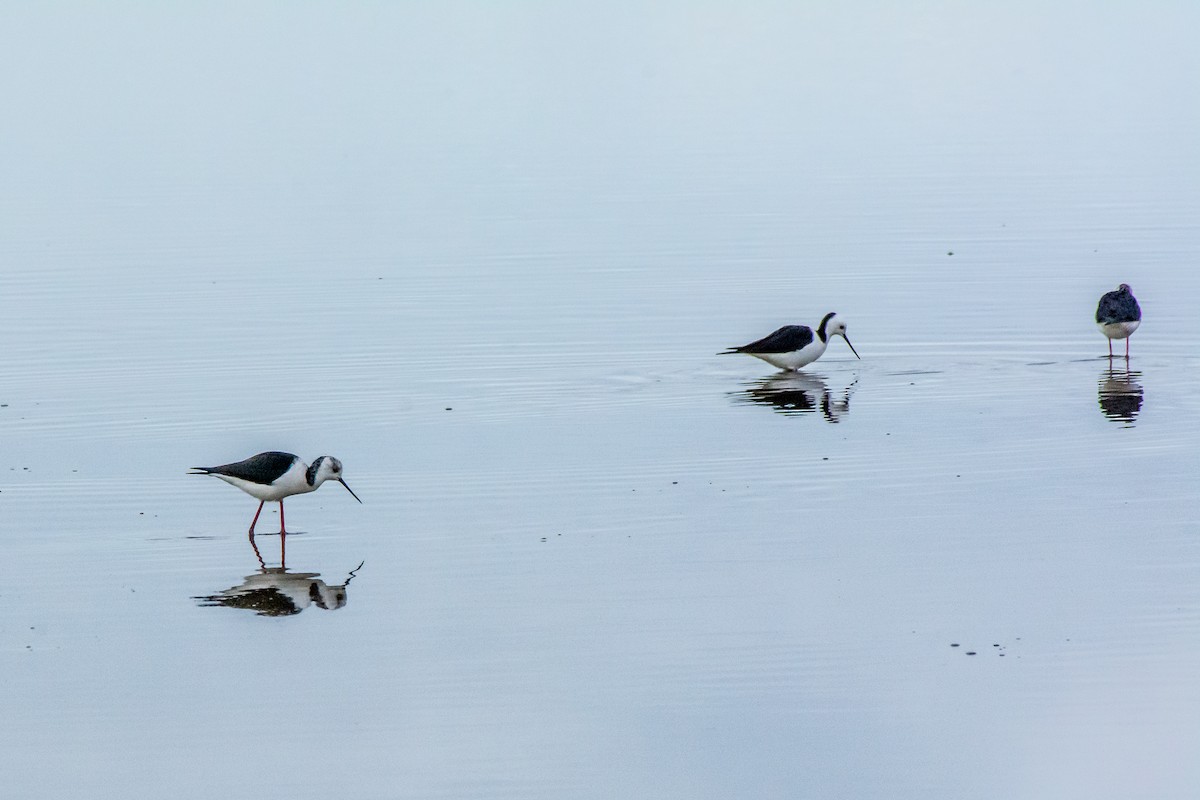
200 471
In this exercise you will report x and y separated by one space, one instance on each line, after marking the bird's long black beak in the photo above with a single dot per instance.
348 489
852 350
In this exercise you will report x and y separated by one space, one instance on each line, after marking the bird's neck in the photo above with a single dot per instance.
821 333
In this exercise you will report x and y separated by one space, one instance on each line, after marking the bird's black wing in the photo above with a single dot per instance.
784 340
262 468
1118 307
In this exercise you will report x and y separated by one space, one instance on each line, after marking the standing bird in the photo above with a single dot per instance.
794 346
274 476
1118 316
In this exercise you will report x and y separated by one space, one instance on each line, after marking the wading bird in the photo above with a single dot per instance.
274 476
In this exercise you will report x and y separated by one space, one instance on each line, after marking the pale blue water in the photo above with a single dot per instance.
486 256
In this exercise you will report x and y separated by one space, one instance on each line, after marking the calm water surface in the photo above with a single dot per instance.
486 256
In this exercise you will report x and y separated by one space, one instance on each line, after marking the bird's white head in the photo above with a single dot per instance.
328 468
836 326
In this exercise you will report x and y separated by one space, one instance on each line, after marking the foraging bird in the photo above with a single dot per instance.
274 476
1118 316
794 346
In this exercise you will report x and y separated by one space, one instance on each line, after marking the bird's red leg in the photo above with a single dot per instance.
1126 348
1110 348
255 520
282 532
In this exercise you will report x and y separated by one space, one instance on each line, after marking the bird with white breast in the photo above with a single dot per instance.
272 476
795 346
1118 315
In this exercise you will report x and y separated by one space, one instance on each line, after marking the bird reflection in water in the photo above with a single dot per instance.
1120 394
275 592
798 393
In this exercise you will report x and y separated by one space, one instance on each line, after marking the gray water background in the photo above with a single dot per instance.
485 254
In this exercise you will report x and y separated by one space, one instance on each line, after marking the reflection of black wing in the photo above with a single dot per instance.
784 340
265 601
1118 307
263 468
1120 396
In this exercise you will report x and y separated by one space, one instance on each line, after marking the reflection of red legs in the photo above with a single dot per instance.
282 539
257 554
255 520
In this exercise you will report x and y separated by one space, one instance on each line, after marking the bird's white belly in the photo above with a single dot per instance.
1118 330
294 481
795 359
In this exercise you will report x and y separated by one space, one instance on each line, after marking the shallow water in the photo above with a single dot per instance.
487 258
